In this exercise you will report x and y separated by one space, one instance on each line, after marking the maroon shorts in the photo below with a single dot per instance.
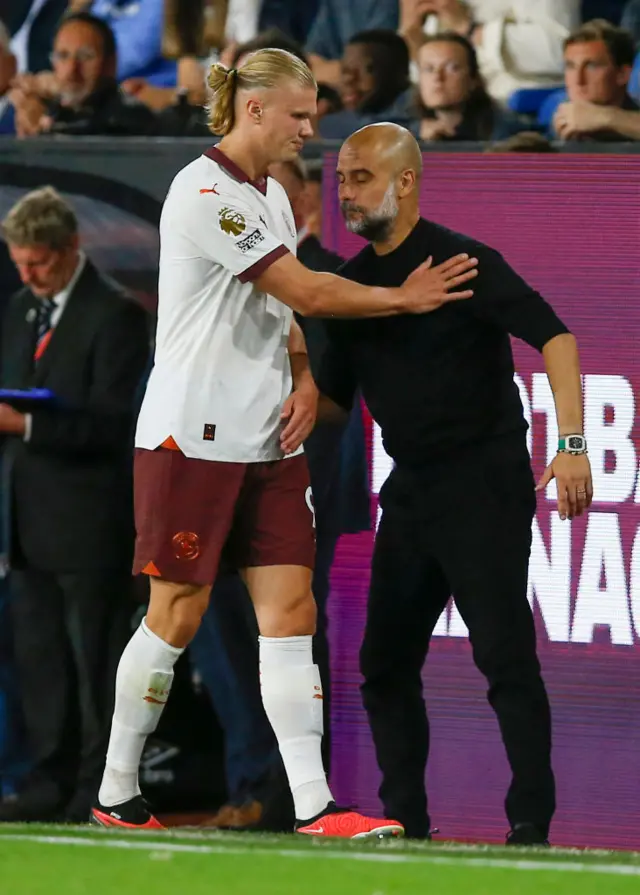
189 511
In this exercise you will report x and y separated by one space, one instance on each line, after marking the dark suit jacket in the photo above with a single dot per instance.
70 484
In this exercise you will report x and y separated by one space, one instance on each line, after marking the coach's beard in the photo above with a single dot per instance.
374 226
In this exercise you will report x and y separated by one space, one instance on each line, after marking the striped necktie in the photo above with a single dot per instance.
45 312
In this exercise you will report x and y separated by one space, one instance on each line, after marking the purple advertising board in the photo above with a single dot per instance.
571 226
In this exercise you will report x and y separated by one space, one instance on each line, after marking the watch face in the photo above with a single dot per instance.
576 443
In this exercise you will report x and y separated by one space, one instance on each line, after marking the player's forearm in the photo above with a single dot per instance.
563 369
301 372
333 296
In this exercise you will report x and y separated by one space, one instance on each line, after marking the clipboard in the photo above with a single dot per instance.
28 399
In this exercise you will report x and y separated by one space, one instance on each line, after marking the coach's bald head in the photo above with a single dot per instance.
379 170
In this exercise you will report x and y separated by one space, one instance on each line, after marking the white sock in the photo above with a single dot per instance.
292 698
143 682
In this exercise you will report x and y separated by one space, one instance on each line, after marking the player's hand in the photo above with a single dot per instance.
572 473
427 288
298 414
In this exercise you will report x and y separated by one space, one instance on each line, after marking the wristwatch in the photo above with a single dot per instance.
572 444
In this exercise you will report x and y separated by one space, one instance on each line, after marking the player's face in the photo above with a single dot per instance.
591 75
367 193
44 270
446 81
287 113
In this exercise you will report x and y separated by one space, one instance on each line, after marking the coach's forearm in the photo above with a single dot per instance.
563 369
333 296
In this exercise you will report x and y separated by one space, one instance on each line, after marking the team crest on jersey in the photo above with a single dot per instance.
232 222
289 225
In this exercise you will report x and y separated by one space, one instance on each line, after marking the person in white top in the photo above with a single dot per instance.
218 444
518 42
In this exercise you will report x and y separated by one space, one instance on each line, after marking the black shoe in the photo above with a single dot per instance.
36 804
79 808
133 815
527 834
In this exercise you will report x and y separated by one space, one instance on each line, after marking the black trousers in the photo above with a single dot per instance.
69 632
464 528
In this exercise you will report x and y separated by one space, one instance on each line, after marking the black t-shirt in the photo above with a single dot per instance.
440 381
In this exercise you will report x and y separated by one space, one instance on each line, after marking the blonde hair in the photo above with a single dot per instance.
41 218
262 69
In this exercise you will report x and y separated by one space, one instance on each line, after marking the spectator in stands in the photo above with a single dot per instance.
525 141
69 466
631 20
186 117
598 62
336 23
81 94
518 42
453 100
7 74
137 26
374 84
291 16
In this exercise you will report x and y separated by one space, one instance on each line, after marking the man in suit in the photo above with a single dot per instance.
68 467
225 647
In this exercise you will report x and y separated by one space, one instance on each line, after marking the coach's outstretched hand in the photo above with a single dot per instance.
427 288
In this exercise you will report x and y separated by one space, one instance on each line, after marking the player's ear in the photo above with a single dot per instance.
254 108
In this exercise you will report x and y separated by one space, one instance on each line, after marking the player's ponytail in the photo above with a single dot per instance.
222 88
262 69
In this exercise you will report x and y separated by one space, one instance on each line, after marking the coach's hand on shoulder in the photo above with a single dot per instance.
299 417
428 288
572 473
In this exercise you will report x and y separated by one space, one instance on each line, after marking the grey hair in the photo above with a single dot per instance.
41 218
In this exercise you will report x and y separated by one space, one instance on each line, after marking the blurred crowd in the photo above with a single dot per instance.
467 70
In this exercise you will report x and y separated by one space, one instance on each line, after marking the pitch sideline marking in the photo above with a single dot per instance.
491 863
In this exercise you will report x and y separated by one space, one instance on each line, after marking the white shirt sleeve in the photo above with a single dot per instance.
227 230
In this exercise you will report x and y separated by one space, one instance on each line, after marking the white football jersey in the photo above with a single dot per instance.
221 369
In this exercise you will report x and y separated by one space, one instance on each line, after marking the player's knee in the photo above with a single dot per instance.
295 617
176 610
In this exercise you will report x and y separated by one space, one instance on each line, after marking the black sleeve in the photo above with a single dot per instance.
336 378
502 297
104 426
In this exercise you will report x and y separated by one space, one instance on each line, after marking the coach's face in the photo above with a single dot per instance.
285 117
367 190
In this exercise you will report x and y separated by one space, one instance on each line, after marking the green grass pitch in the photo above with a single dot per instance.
83 861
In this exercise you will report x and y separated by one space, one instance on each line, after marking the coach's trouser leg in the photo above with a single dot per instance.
144 679
407 595
485 552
